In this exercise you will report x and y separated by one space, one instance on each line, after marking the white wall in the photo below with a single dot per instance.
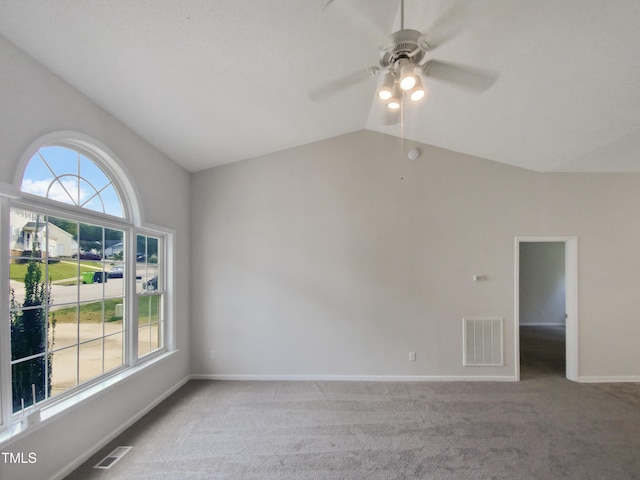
35 102
340 257
542 283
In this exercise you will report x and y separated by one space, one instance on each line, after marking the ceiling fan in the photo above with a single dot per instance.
403 64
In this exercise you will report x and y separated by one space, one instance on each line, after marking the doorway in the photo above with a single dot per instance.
546 321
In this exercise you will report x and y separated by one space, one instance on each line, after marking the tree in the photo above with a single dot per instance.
29 327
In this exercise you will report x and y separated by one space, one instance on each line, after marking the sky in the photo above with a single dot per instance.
66 176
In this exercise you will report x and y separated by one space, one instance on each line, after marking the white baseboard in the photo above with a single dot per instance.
610 379
355 378
95 448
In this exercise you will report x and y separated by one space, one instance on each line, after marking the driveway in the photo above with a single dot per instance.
66 371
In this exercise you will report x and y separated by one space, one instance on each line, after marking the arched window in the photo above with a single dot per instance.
86 281
68 176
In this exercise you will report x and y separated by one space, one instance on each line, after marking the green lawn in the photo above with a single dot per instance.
148 309
92 312
57 271
89 312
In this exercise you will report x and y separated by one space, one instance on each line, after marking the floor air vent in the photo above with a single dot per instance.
482 342
108 461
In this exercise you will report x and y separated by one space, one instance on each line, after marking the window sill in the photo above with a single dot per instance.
20 425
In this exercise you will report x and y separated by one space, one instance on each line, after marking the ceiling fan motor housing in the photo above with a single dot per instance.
405 47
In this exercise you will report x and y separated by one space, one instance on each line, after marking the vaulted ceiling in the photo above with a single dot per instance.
210 82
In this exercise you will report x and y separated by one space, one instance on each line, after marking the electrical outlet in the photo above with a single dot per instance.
212 355
412 356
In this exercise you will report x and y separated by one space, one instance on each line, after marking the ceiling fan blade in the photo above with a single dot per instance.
336 86
445 26
466 76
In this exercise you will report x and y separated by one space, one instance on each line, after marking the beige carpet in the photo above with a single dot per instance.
543 427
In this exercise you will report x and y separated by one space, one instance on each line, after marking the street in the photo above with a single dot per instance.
68 294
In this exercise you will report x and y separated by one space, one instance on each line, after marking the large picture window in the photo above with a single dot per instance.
87 288
66 311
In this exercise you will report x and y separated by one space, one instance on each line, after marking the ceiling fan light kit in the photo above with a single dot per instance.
418 92
385 92
401 61
407 77
396 98
393 86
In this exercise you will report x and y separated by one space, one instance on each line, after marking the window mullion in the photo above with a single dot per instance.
131 326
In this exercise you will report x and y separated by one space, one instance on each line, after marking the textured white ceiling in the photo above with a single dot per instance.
210 82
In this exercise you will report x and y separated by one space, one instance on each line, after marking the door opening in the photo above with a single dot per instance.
546 306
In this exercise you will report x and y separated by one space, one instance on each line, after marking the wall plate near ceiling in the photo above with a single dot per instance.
414 154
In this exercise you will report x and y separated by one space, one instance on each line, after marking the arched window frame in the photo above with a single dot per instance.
12 424
103 157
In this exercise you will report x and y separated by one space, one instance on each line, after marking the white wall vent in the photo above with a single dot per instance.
483 340
108 461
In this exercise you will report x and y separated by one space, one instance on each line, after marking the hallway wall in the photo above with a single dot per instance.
542 283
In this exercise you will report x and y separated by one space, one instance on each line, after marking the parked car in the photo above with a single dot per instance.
117 272
87 256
